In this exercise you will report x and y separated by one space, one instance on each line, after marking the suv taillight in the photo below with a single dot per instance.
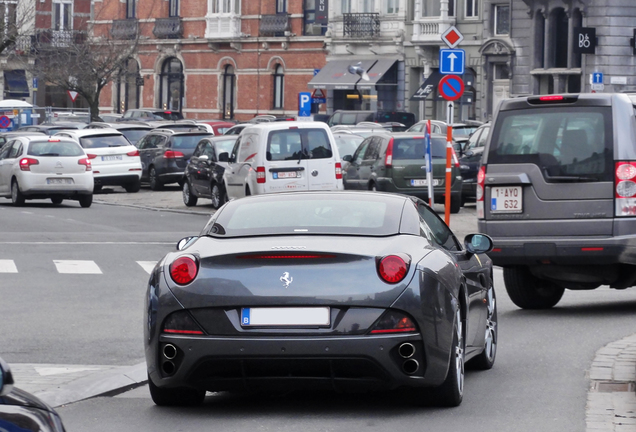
388 162
338 170
481 191
25 163
171 154
260 174
625 189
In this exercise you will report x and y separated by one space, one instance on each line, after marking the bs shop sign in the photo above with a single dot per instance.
584 40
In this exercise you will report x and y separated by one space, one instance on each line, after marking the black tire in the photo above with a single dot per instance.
17 198
486 359
57 200
217 195
97 188
373 187
175 396
189 198
133 186
86 200
247 191
153 180
455 204
529 292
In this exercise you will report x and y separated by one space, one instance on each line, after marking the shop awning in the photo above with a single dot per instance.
15 84
335 74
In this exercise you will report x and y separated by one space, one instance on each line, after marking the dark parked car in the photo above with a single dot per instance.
150 114
7 136
470 161
132 131
395 162
164 155
346 117
557 193
328 290
204 172
21 411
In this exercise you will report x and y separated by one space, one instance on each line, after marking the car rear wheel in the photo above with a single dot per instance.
57 200
133 186
217 195
486 359
86 200
155 183
175 396
530 292
16 196
189 198
455 204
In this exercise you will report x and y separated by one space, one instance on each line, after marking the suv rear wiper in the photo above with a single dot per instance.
572 178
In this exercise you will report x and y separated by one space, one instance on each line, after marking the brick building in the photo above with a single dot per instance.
214 59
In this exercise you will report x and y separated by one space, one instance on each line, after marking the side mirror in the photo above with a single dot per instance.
185 242
6 379
204 158
347 158
478 243
224 157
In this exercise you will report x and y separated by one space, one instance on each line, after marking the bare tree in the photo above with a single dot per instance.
17 21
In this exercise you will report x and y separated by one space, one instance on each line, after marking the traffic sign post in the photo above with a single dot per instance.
452 61
451 87
452 37
72 94
596 81
450 115
318 96
304 104
5 122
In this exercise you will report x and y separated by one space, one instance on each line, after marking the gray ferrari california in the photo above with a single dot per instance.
340 290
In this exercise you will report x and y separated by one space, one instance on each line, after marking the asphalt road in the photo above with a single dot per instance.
538 383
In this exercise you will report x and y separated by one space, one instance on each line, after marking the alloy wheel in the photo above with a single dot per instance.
459 353
216 196
491 325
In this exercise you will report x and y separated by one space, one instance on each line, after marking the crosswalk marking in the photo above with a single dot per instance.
8 266
147 265
77 267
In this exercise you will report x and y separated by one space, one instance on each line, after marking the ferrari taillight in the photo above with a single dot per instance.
393 268
625 188
183 270
181 323
394 322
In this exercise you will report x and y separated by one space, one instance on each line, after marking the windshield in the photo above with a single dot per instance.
55 148
100 141
413 148
463 131
300 215
134 135
187 141
225 145
572 142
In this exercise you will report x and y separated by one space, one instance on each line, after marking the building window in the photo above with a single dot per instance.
130 8
451 7
128 90
345 6
224 6
279 87
173 8
502 20
392 6
367 6
171 84
501 71
281 6
8 16
229 80
560 57
316 17
472 8
62 15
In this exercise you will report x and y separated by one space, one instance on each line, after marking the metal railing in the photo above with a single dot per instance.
274 25
168 28
361 25
125 28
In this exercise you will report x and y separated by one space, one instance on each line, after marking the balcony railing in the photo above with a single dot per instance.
361 25
125 29
168 28
223 26
430 29
274 25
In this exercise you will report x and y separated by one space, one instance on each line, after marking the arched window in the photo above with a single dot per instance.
560 59
171 87
128 88
229 81
279 87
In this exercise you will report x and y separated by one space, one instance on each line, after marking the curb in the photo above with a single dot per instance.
154 208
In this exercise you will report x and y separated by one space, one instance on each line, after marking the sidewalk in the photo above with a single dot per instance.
611 400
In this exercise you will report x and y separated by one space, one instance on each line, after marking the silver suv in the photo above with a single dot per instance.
557 193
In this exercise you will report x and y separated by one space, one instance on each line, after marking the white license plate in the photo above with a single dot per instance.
285 174
436 182
507 199
288 316
59 181
112 158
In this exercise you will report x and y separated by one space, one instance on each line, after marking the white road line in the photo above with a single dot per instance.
8 266
147 265
77 267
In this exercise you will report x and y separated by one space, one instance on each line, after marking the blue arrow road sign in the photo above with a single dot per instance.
452 61
304 104
597 78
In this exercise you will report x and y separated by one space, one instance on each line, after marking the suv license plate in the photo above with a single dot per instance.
436 182
507 199
285 174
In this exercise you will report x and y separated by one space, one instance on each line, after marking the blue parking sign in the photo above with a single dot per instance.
304 104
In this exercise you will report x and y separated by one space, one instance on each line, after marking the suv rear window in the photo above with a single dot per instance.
58 148
187 141
296 144
413 148
567 143
101 141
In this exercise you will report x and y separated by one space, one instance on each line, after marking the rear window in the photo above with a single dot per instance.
463 131
187 141
296 144
224 145
134 135
296 215
567 143
413 148
407 119
60 148
169 115
101 141
347 145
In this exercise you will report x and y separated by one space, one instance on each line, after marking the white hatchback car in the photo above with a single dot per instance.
282 157
115 160
38 167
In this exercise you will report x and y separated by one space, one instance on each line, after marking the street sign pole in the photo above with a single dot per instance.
450 114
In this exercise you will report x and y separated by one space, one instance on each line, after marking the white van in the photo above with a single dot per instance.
283 156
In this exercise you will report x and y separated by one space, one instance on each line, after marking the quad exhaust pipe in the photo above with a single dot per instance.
169 351
406 350
410 366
